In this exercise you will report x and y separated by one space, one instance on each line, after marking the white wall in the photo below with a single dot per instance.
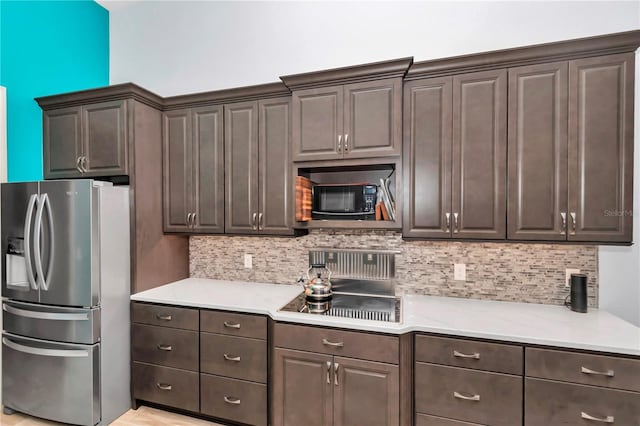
177 47
619 267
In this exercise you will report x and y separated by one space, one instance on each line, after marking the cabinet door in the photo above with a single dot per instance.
275 166
479 155
302 390
241 167
427 158
208 168
105 139
373 119
317 123
537 199
601 148
176 140
365 393
62 143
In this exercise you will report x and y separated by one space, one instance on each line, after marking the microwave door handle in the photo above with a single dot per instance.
37 254
33 199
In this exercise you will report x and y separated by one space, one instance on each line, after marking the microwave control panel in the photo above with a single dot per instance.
370 193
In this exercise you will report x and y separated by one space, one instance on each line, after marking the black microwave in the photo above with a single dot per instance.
344 201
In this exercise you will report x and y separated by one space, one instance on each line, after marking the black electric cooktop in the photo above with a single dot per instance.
358 306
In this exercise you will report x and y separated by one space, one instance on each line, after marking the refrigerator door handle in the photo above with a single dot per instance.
63 353
45 315
43 279
33 199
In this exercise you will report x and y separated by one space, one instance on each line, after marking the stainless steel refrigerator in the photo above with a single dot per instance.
65 307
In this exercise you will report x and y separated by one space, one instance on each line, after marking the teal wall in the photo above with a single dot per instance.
46 47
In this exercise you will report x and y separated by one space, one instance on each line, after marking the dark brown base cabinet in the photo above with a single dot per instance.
207 362
460 380
321 388
580 389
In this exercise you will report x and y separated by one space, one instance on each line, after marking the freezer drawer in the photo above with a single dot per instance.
55 381
72 325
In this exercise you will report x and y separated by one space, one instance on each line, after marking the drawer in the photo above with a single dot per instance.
472 396
597 370
555 403
234 400
165 346
167 316
353 344
166 386
470 354
426 420
234 324
237 357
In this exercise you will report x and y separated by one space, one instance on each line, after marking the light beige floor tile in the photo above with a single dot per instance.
144 416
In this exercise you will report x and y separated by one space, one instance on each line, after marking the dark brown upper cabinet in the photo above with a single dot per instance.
115 133
258 167
571 149
194 170
601 148
455 156
537 199
358 120
86 141
348 113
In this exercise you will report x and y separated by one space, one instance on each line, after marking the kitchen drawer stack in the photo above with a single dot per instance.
575 388
165 355
464 382
233 366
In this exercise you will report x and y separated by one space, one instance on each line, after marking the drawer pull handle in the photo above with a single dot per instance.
328 371
335 373
163 317
465 397
231 325
163 386
231 400
336 344
461 355
231 358
167 348
607 419
608 373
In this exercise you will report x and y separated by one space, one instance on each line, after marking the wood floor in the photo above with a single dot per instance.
144 416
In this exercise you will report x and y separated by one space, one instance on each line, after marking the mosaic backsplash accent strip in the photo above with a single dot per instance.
533 273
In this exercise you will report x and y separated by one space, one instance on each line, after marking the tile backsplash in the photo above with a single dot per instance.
533 273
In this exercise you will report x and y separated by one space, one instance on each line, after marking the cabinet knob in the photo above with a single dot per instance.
254 223
335 373
573 223
231 400
231 358
166 348
78 166
608 373
339 149
260 225
455 223
447 217
231 324
163 317
563 215
346 142
83 164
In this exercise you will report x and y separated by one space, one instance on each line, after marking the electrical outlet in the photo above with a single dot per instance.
460 272
248 261
567 275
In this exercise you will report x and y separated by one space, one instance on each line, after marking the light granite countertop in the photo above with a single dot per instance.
548 325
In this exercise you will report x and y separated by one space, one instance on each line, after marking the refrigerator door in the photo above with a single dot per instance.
18 222
55 381
67 254
72 325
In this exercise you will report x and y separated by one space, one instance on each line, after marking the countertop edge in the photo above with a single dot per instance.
389 328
